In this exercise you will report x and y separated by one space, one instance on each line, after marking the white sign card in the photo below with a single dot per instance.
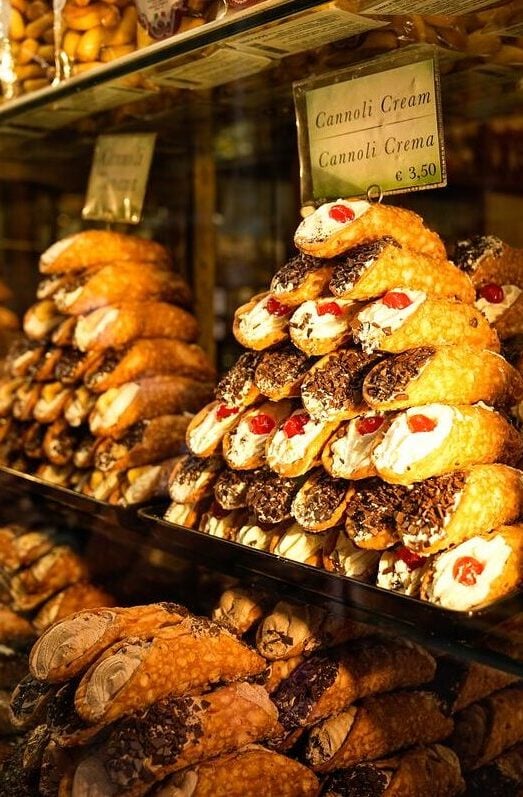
118 178
374 125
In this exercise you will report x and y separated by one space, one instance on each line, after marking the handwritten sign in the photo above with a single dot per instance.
118 178
358 128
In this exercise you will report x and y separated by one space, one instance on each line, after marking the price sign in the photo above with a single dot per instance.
378 124
118 178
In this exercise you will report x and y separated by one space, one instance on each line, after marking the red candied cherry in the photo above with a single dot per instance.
274 307
224 412
492 292
411 559
396 300
262 424
368 425
295 424
329 308
341 213
421 423
466 570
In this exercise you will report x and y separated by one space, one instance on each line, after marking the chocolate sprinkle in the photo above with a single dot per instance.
270 497
235 385
390 378
426 506
297 694
230 489
355 262
134 435
372 508
192 467
29 698
110 361
291 275
322 497
280 368
362 780
469 254
337 384
66 370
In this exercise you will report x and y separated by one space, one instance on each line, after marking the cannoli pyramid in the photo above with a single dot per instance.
97 394
365 427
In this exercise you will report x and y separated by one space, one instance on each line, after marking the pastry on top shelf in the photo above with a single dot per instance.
237 388
294 447
262 322
91 248
401 570
208 427
342 556
348 453
280 372
488 259
244 446
370 514
302 278
320 326
146 442
320 502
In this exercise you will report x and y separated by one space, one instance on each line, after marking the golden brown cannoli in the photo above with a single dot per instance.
145 483
260 536
60 442
33 440
433 770
341 556
206 430
240 608
44 369
101 485
240 774
193 478
337 226
85 450
220 522
22 355
245 444
71 600
501 777
41 319
486 729
174 734
279 670
294 447
230 488
401 570
280 372
446 510
488 259
63 335
8 388
144 443
69 646
435 439
237 387
348 453
55 570
89 248
447 374
73 365
149 357
480 570
121 407
262 322
79 405
29 702
302 278
320 502
117 326
48 286
321 326
51 402
187 515
66 728
460 683
21 546
186 658
299 545
120 282
332 390
373 268
376 727
370 514
270 496
25 401
404 319
329 682
55 474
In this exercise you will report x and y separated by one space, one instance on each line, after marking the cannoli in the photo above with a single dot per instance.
480 570
302 278
299 545
341 556
322 325
244 446
73 365
331 391
460 683
193 478
100 485
240 609
435 439
280 372
57 569
206 430
401 570
404 319
51 402
187 515
63 335
29 702
89 248
144 443
502 777
337 226
121 407
44 369
60 442
69 646
20 547
41 319
260 536
370 514
186 658
117 326
262 322
295 445
26 399
446 510
371 269
15 630
237 387
8 388
502 306
120 282
488 728
378 726
174 734
320 502
487 259
66 728
329 682
55 474
348 453
220 522
72 599
270 496
433 770
450 374
85 451
48 286
79 405
23 354
230 488
240 775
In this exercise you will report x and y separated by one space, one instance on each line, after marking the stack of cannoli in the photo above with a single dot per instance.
367 420
99 392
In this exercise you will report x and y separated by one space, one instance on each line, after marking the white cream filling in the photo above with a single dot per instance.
353 561
38 322
68 641
400 447
353 451
328 736
217 526
179 513
55 250
257 323
491 310
65 298
446 591
393 574
110 676
299 545
290 449
90 327
77 411
255 537
244 444
209 431
319 226
377 320
112 404
306 323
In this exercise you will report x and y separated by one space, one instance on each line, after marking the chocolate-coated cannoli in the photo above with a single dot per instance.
192 478
460 683
72 599
230 488
502 777
73 364
239 608
370 513
280 372
488 259
237 387
57 569
270 497
279 670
